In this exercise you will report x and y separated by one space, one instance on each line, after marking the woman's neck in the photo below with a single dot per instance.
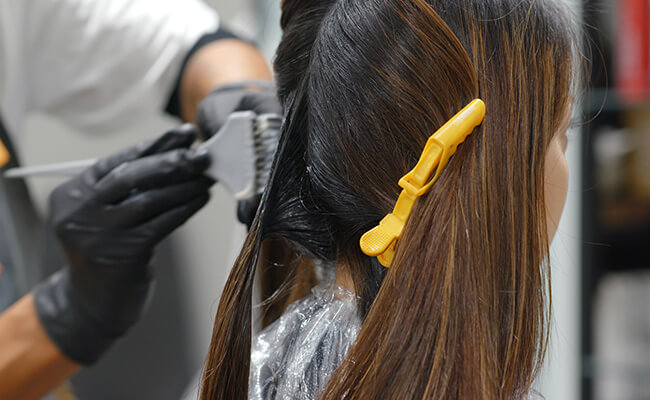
343 276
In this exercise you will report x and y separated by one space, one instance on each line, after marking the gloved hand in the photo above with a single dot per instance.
109 219
214 109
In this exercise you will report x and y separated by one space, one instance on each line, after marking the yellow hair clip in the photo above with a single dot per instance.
380 241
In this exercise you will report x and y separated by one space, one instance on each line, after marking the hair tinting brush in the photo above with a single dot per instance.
241 161
241 151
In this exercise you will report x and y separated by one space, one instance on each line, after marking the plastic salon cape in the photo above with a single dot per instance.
294 357
97 65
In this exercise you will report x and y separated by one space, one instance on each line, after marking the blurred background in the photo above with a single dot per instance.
600 345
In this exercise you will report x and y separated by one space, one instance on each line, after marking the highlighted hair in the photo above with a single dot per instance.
462 312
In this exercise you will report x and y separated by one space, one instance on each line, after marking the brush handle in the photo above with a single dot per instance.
265 134
58 169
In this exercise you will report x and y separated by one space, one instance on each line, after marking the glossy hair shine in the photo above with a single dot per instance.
462 312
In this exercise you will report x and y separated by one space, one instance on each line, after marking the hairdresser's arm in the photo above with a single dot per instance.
108 219
219 78
30 364
222 62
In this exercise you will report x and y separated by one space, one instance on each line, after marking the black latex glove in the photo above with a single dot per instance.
109 219
214 109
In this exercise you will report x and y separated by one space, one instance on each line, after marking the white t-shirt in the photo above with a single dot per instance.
96 64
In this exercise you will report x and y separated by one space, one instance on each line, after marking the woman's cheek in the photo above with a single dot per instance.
556 185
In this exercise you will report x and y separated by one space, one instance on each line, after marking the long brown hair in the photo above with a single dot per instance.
462 312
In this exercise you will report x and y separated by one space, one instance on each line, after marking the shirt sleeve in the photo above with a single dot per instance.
101 64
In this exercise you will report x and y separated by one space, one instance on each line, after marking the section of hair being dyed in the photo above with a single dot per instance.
462 311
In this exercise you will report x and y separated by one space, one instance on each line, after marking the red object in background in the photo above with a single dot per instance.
632 50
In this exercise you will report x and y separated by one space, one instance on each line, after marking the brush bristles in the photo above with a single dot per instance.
266 135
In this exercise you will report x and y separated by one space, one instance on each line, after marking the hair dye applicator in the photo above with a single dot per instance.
241 152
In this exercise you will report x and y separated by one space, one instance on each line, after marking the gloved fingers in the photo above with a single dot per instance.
246 210
162 225
180 137
263 102
214 109
212 114
142 207
151 172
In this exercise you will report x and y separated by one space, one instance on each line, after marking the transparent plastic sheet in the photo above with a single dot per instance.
294 357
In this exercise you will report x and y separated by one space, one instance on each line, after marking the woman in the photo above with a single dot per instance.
461 313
